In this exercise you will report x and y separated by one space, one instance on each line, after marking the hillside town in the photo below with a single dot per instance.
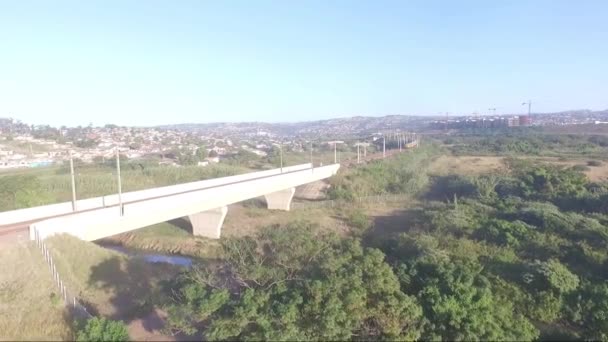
43 146
23 145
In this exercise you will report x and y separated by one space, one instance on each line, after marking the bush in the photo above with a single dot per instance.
581 168
358 220
102 329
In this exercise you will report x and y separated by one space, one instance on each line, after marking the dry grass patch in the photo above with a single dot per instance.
594 173
475 165
243 221
27 310
109 283
466 165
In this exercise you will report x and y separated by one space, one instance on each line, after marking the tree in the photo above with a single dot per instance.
274 156
289 284
590 310
554 275
201 152
458 302
21 191
102 329
504 232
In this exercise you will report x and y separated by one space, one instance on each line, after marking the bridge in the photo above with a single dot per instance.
204 202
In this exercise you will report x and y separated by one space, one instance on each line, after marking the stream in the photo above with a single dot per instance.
152 258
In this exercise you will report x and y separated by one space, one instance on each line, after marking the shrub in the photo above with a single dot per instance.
358 220
102 329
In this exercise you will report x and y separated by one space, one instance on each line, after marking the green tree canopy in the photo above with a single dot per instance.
102 329
289 284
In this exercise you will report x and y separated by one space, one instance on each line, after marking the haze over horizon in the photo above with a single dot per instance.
152 63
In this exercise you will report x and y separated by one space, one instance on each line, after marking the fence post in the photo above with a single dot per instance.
55 273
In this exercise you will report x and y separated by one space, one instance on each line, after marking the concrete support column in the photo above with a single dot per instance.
208 223
280 200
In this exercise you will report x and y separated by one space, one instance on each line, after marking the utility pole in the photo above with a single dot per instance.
335 153
119 182
312 165
281 149
383 146
73 182
358 153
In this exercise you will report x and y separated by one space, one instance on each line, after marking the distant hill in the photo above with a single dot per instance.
344 126
365 124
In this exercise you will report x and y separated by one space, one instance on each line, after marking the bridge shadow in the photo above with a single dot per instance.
135 288
182 223
388 227
129 282
258 202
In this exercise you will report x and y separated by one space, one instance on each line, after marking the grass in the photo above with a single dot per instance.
173 237
107 282
176 237
102 181
27 308
470 165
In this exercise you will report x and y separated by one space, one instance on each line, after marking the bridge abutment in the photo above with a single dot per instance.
208 223
280 200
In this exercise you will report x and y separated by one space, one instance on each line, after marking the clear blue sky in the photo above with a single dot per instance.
153 62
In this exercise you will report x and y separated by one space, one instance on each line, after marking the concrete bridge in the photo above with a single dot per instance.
204 202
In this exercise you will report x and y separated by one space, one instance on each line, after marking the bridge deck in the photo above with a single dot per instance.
21 219
95 224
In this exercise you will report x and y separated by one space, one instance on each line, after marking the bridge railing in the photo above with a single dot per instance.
67 296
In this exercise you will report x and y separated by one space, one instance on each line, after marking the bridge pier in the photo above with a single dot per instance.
209 223
280 200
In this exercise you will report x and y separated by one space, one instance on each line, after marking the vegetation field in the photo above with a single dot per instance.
595 170
478 246
517 254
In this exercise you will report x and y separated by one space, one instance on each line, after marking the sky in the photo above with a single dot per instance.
161 62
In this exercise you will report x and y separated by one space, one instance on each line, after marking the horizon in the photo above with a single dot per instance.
439 116
146 64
